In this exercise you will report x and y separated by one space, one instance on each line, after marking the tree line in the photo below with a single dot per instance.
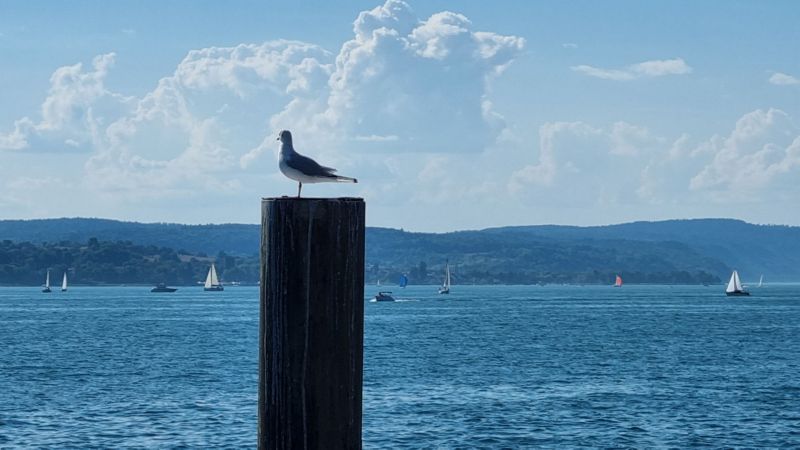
116 262
97 262
466 274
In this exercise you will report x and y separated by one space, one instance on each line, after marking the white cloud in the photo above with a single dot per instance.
386 90
400 75
762 151
292 67
392 15
654 68
17 139
76 106
659 68
580 164
582 161
606 74
376 138
782 79
183 137
569 45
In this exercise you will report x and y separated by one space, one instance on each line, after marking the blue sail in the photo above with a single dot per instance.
403 281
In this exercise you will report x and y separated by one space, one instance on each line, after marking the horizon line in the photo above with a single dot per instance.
418 231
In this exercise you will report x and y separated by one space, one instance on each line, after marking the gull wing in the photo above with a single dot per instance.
308 166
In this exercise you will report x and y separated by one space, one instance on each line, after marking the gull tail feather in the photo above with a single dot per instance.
342 179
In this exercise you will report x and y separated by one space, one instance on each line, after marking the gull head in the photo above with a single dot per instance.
285 136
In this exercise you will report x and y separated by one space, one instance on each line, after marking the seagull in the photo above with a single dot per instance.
304 169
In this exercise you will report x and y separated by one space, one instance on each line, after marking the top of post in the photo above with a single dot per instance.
307 199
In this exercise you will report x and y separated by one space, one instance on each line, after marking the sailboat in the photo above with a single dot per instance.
403 281
735 286
212 282
46 287
64 283
761 280
618 283
445 289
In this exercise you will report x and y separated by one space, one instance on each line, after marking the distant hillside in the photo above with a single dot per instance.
103 262
772 250
236 239
519 258
689 251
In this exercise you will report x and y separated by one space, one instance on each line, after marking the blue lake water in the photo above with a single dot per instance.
487 366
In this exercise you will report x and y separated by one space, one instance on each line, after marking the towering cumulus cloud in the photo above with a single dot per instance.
420 85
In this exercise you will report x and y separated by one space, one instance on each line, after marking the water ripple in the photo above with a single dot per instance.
486 367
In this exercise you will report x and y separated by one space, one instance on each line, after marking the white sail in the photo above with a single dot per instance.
208 278
445 289
214 279
211 278
734 284
761 281
47 280
64 282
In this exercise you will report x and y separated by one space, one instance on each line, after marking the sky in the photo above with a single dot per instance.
452 114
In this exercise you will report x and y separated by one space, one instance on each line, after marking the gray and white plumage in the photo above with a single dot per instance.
304 169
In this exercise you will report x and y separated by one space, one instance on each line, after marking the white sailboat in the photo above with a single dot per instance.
735 286
64 283
445 289
46 287
212 282
761 280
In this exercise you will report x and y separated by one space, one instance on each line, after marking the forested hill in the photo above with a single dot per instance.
772 250
679 251
237 239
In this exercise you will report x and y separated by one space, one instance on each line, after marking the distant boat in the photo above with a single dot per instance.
64 283
618 283
212 282
445 289
378 283
162 287
735 286
403 281
384 296
46 287
761 280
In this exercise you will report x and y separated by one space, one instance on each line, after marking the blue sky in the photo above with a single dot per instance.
453 115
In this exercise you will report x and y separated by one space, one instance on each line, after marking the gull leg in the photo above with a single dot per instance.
299 187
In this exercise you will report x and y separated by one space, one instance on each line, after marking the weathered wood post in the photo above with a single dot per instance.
311 336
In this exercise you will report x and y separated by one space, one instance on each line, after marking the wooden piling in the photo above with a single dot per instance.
311 336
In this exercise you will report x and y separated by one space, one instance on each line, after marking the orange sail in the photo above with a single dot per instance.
618 283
